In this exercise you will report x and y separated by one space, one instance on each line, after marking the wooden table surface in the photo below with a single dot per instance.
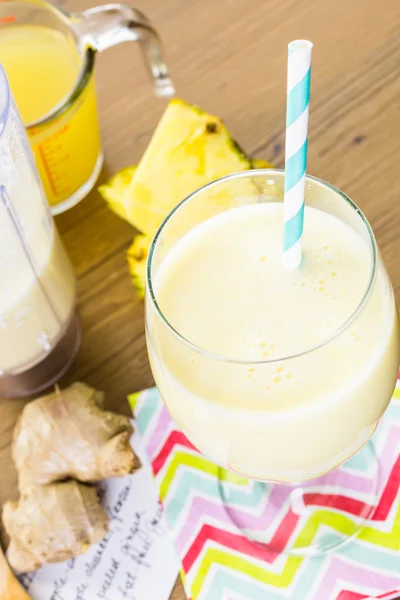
229 56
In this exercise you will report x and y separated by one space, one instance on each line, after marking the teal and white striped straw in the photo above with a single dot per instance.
298 97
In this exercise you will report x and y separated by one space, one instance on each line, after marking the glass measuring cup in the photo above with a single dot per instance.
66 139
39 330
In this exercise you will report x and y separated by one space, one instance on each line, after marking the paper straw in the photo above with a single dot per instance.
298 96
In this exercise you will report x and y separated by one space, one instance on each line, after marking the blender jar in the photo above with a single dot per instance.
39 330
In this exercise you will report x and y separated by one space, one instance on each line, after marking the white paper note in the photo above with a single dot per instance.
135 561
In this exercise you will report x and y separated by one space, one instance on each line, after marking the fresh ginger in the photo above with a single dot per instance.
60 438
68 435
51 523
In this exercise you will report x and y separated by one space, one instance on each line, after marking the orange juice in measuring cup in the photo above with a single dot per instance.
49 56
43 66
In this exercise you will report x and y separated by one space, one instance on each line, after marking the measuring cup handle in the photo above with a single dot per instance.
105 26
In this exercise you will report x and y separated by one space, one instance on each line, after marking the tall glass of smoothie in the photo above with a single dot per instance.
278 375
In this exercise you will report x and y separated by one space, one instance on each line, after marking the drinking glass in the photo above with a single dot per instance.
296 447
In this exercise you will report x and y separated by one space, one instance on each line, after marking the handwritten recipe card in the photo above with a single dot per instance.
135 561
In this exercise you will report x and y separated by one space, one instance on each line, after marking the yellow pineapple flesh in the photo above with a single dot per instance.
114 190
138 251
137 257
259 163
188 149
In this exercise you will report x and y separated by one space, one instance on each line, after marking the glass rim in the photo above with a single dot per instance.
70 98
249 174
81 81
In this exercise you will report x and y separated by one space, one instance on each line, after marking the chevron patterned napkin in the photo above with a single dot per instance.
218 563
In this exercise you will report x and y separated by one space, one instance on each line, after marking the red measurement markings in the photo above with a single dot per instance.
46 168
8 19
49 153
61 131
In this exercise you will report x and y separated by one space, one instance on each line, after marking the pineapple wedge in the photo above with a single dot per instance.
137 257
188 149
113 191
138 251
259 163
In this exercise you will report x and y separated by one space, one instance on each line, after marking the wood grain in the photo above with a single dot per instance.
10 588
229 56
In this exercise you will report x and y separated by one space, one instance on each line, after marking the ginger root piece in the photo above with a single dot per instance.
51 523
68 435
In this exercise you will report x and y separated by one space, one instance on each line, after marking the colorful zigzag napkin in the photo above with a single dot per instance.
219 563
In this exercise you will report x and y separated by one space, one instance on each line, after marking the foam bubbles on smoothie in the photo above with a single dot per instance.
244 304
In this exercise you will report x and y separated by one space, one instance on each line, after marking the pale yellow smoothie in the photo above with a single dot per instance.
37 282
35 309
232 389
